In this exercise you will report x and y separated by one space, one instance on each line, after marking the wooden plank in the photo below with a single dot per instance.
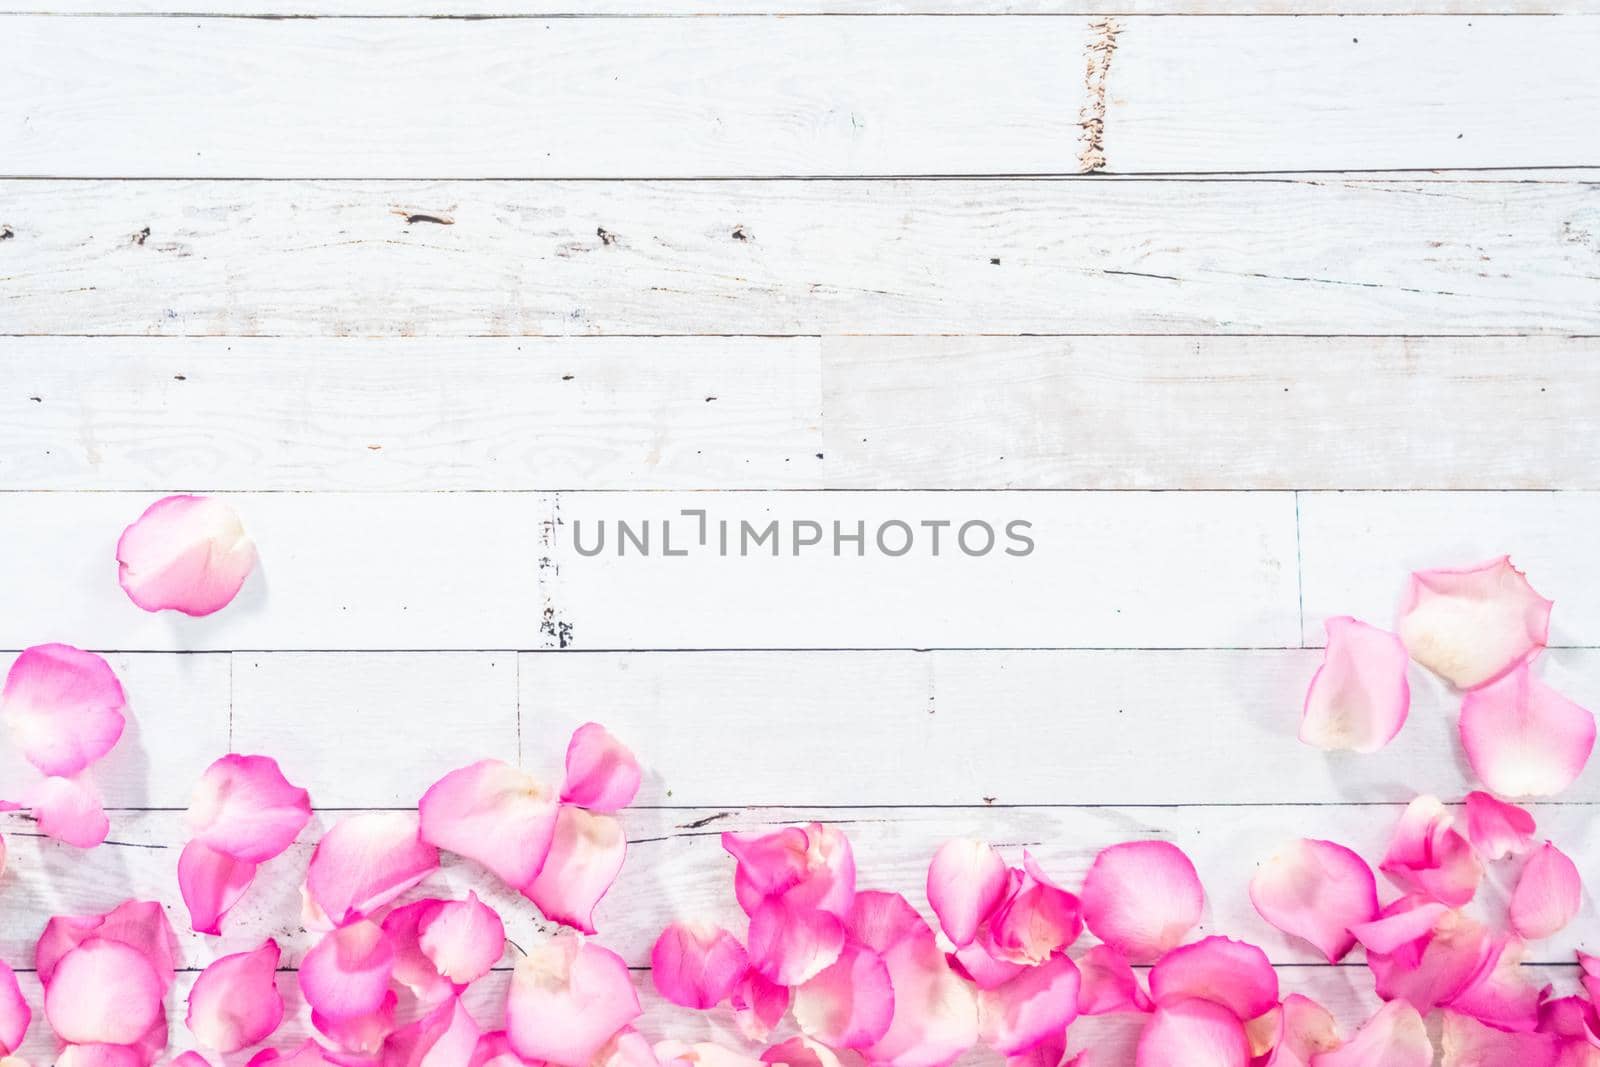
485 571
747 413
1319 256
677 869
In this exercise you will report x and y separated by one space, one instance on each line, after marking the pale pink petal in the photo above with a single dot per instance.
307 1054
15 1015
362 1036
1193 1033
63 706
1497 829
244 807
494 1050
1305 1028
1428 855
849 1003
1524 738
801 1052
1473 625
1037 920
1548 894
1464 1042
882 920
139 924
966 881
182 1059
445 1037
1401 923
68 811
365 861
602 774
492 813
697 965
628 1048
1051 1052
1108 983
792 944
1316 890
102 1056
103 992
567 1000
464 939
935 1011
1031 1008
759 1005
211 883
1394 1037
701 1054
1142 898
585 858
1359 698
187 553
235 1002
1589 974
414 968
346 974
810 867
1235 974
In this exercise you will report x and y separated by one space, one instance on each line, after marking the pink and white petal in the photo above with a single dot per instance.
1050 1052
978 964
346 974
245 807
69 811
791 944
848 1004
235 1002
1142 898
1235 974
1107 984
494 1050
700 1054
1472 625
1548 895
801 1052
966 882
182 1059
935 1011
882 920
1038 920
365 861
64 708
211 883
697 965
360 1036
103 992
585 858
1524 738
1305 1028
1193 1033
1465 1042
307 1054
464 939
1359 698
1497 829
1428 855
101 1055
811 867
629 1048
492 813
1499 995
15 1015
445 1037
1435 970
187 553
1316 890
414 968
602 774
140 924
759 1005
1037 1005
567 1000
1395 1036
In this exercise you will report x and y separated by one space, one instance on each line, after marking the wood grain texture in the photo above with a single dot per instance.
748 413
1312 256
1078 9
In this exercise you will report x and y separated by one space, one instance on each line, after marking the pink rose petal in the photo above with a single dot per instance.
1500 995
810 867
494 1050
801 1052
103 992
1472 625
68 811
307 1054
602 774
567 1000
1523 738
492 813
15 1015
1497 829
1464 1042
1316 890
464 939
346 974
244 807
1438 967
1305 1028
849 1003
445 1037
1359 698
64 708
1108 984
102 1056
935 1012
1235 974
882 920
211 883
187 553
1030 1009
365 861
697 965
791 944
235 1002
140 924
1394 1037
183 1059
1142 898
1193 1033
1400 924
1037 920
979 964
759 1005
966 881
584 860
414 968
1548 894
1427 855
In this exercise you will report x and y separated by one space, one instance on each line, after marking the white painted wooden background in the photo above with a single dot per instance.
1246 313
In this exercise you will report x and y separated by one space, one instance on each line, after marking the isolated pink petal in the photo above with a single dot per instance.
1235 974
1497 829
1033 1007
966 881
244 807
567 1000
811 866
15 1015
103 992
1316 890
67 810
1548 894
187 553
63 706
1037 920
790 944
1193 1033
1142 898
1472 625
492 813
1394 1037
697 965
1428 855
1305 1028
1359 698
1523 738
1465 1042
365 861
602 774
235 1002
935 1011
346 974
584 860
1107 983
211 883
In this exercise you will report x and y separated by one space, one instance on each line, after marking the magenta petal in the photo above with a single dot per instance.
697 965
811 866
103 992
849 1003
211 883
1499 995
64 707
346 975
187 553
1497 829
602 774
759 1005
15 1015
366 861
243 806
1359 697
1427 855
235 1002
1193 1033
1033 1007
1316 890
966 881
1523 738
68 811
1036 921
1235 974
1142 898
492 813
790 944
567 1000
585 857
1107 983
1394 1037
1548 894
935 1012
1473 625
